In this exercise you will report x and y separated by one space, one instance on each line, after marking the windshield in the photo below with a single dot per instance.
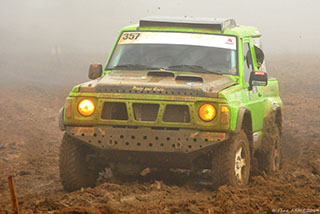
175 51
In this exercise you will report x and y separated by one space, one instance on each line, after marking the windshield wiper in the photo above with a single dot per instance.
134 67
193 68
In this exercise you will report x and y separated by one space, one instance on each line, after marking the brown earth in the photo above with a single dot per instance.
33 89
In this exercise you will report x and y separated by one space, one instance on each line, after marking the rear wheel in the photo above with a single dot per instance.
231 162
269 156
75 172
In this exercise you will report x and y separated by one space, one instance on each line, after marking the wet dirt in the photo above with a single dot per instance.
30 139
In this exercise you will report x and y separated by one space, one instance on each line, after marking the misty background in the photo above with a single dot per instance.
86 30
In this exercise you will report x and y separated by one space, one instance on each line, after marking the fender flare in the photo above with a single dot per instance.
241 114
278 116
61 119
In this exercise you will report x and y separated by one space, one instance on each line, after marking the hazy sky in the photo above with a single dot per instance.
91 26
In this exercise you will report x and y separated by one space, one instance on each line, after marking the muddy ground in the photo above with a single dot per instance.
33 88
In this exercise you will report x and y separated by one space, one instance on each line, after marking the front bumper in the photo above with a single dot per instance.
140 139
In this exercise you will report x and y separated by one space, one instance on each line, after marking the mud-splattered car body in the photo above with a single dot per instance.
150 116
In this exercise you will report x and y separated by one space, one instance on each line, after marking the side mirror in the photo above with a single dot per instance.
95 71
258 78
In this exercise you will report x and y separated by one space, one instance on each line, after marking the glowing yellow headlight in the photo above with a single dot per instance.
207 112
86 107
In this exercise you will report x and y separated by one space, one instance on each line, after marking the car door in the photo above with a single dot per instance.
254 100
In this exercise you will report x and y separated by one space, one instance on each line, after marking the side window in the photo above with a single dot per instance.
259 54
247 64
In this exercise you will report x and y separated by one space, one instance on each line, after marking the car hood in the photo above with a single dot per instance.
159 82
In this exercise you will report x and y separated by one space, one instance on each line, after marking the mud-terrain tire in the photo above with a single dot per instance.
74 169
269 155
231 162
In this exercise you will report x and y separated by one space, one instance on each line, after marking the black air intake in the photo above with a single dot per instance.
145 111
160 74
177 114
189 78
114 111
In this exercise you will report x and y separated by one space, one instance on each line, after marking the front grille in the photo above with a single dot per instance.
114 111
177 113
145 112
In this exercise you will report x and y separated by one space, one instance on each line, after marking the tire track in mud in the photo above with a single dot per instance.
295 186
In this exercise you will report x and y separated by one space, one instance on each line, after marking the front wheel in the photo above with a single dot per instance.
75 172
231 162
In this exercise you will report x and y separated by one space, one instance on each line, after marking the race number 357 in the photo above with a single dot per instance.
130 36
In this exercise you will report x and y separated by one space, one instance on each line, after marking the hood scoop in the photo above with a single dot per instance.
189 78
160 74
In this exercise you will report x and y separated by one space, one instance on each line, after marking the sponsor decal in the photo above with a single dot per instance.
230 41
255 136
177 38
259 73
109 95
194 83
144 89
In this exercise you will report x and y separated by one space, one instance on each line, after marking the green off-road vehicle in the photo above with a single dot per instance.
175 93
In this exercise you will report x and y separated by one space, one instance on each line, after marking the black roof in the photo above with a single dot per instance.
208 23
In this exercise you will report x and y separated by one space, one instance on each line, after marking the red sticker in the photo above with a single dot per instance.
259 73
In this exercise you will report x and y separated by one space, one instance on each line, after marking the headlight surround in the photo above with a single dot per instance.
86 107
207 112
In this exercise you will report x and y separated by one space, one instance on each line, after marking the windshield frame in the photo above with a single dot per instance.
157 31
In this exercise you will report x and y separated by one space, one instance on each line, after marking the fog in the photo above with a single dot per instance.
83 26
